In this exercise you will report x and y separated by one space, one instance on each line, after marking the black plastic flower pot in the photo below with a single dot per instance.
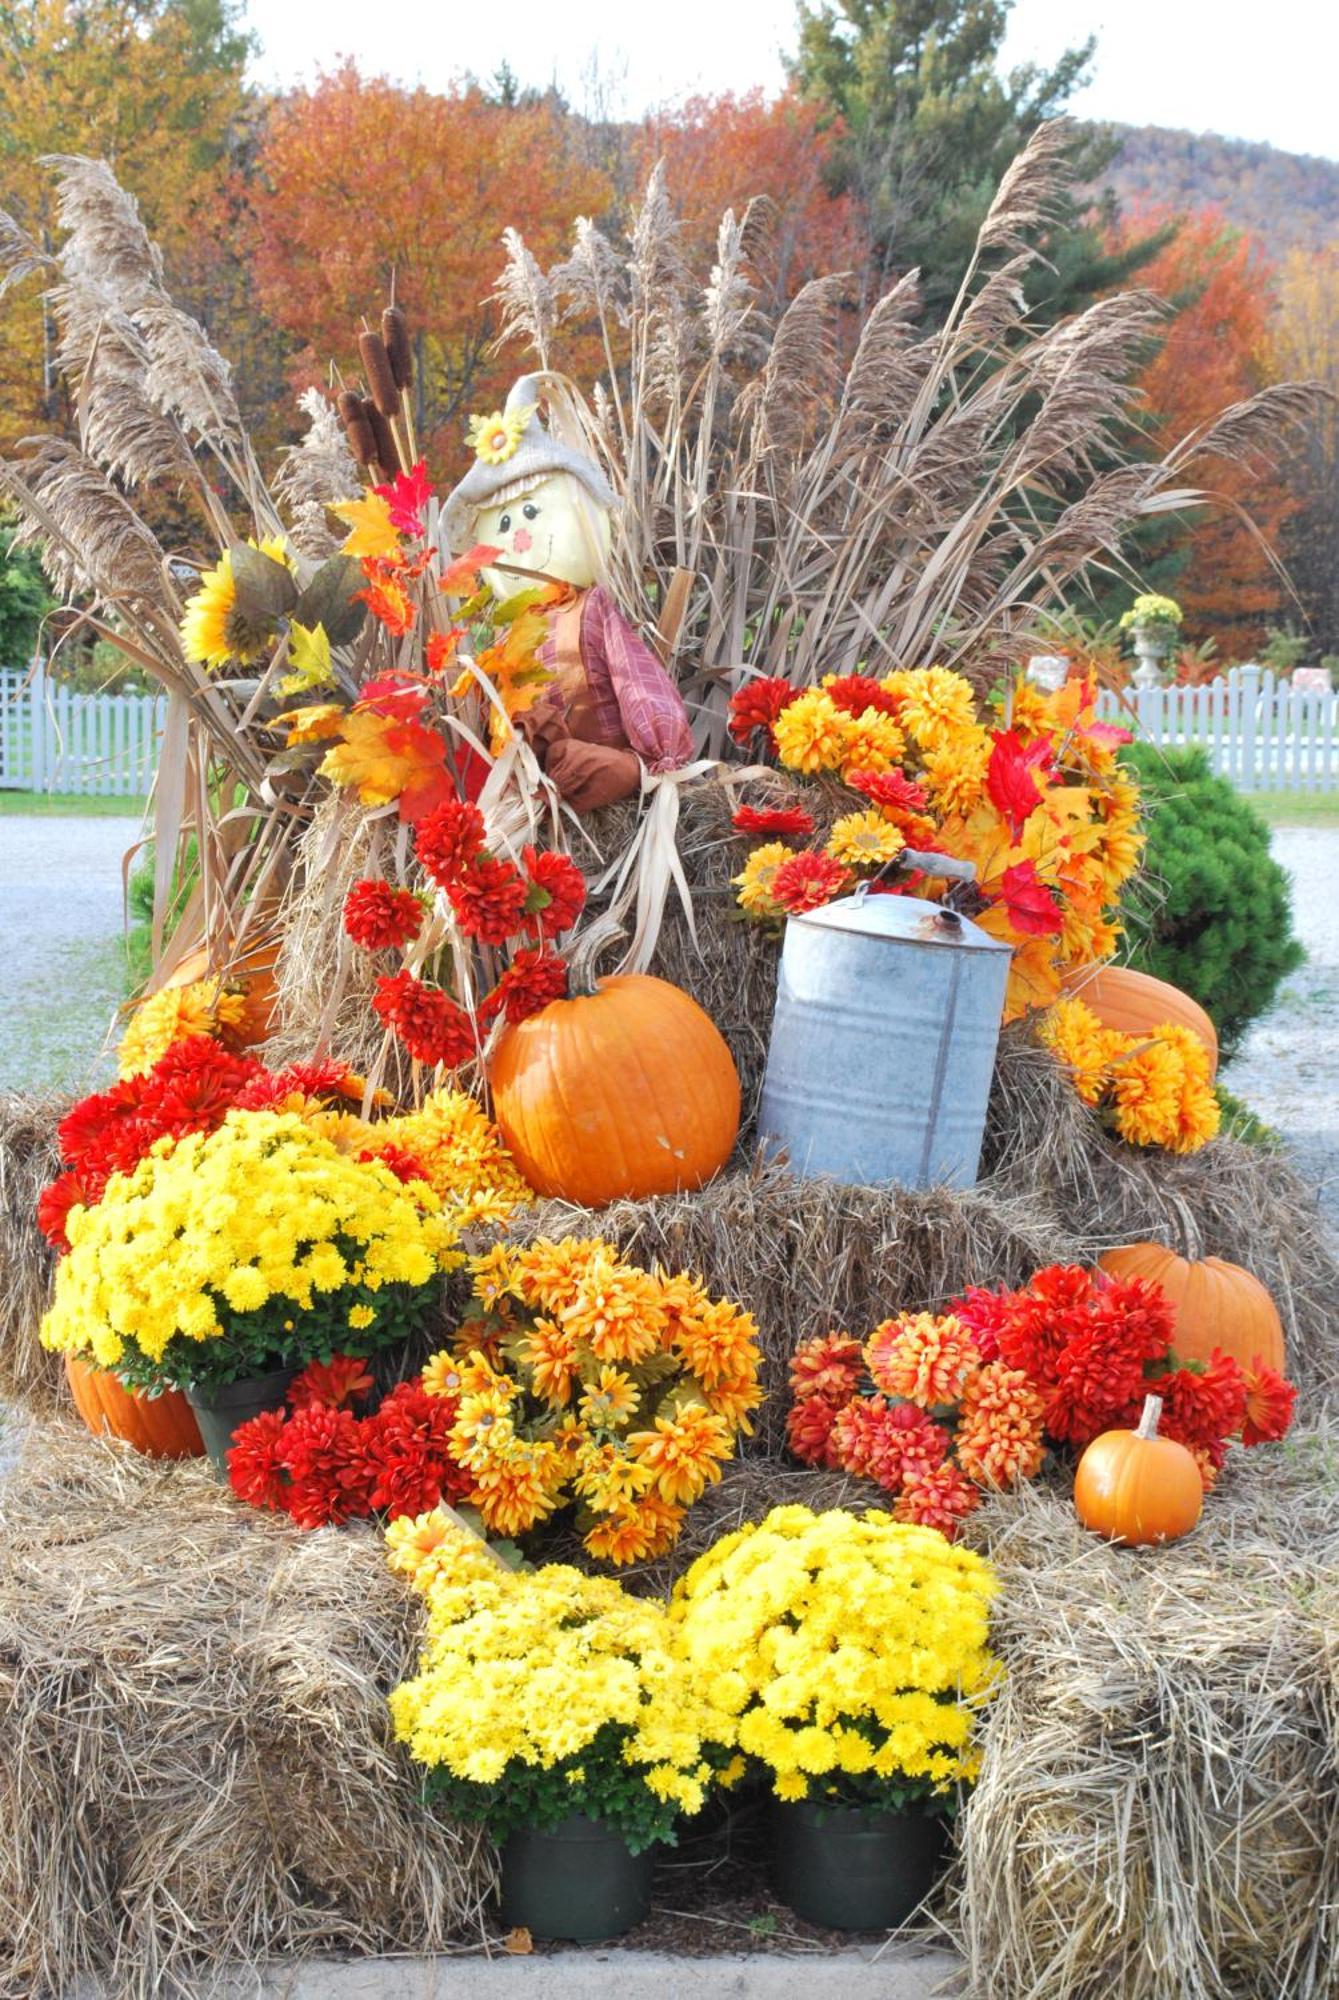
575 1880
223 1409
847 1869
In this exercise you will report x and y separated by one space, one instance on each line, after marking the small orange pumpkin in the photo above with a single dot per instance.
159 1426
1136 1003
627 1090
252 969
1136 1487
1217 1304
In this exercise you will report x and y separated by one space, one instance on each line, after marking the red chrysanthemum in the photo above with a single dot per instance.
530 982
889 789
402 1164
757 706
407 1445
887 1442
449 839
256 1469
1202 1402
379 917
323 1453
489 900
1033 1326
54 1203
89 1131
809 1425
334 1383
307 1079
190 1088
564 885
1143 1311
772 819
1270 1399
940 1498
982 1312
807 881
828 1367
1098 1384
429 1023
854 693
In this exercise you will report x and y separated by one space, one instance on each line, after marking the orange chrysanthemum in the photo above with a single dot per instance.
924 1359
1000 1428
635 1533
616 1310
550 1353
684 1452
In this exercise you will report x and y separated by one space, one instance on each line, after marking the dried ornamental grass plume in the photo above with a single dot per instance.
887 1659
314 474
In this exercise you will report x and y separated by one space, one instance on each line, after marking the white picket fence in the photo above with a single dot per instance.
53 740
1262 733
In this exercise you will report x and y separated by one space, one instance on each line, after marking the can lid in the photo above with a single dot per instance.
908 918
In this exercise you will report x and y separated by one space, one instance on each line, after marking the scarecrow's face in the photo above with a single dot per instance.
546 529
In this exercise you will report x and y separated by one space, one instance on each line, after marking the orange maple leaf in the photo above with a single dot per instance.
383 759
371 531
313 723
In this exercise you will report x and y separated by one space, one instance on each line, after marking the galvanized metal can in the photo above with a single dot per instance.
883 1043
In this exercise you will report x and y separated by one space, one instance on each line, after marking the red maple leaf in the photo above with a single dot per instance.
1028 903
1011 777
406 496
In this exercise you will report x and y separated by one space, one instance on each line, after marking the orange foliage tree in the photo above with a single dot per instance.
1213 353
720 152
155 86
361 184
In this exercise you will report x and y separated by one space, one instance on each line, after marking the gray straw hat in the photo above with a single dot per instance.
536 456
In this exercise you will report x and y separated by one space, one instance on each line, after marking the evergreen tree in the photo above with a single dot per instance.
929 127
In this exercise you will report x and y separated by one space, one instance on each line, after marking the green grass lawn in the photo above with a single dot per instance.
1296 808
62 805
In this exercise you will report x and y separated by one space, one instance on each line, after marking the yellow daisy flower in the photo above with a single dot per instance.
865 840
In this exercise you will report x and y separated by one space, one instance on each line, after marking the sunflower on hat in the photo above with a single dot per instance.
495 439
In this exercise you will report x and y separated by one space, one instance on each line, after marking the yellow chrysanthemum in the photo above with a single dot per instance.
174 1014
955 775
865 840
755 879
937 706
494 439
812 733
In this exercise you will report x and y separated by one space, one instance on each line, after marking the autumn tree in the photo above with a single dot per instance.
152 86
1303 345
720 152
363 186
1218 561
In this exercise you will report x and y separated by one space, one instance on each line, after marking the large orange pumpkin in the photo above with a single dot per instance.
627 1090
252 969
1136 1487
1136 1003
159 1426
1217 1304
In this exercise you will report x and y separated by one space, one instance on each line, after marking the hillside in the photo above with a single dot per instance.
1284 198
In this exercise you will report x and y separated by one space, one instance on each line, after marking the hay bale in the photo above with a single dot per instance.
1156 1808
29 1159
195 1754
806 1256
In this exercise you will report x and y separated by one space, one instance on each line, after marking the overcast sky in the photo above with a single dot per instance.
1267 70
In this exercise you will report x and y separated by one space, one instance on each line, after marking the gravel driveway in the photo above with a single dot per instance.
1288 1067
61 923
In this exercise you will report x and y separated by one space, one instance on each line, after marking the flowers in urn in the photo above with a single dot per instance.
1154 625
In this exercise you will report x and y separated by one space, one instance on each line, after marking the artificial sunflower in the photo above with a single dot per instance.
494 439
214 629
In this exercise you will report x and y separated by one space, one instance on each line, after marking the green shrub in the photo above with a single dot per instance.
24 599
1211 910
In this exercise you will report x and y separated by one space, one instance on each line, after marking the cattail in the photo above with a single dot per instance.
385 443
380 379
395 333
362 441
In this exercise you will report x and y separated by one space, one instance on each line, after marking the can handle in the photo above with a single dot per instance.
914 857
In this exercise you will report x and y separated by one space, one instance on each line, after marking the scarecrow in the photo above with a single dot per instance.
612 711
